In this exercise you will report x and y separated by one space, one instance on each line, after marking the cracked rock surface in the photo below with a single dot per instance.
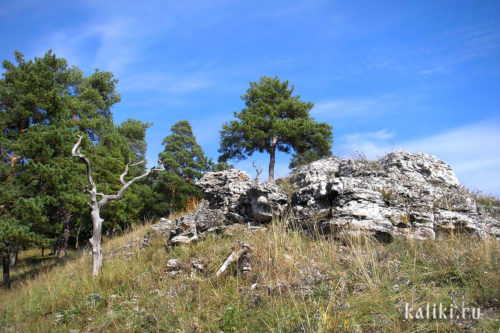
400 195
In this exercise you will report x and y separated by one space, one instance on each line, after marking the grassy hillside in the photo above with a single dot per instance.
297 284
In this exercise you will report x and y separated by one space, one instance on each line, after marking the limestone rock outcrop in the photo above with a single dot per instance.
229 197
399 195
402 194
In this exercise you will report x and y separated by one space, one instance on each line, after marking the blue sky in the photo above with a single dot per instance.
387 75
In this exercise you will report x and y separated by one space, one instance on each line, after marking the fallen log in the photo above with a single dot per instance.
240 250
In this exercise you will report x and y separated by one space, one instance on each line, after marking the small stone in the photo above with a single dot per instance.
197 265
173 264
181 240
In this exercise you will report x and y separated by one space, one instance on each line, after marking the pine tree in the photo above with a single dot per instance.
273 120
184 163
182 154
44 104
36 102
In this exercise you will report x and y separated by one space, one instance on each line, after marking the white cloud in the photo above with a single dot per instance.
112 43
473 151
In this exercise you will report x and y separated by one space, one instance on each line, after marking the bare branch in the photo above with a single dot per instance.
119 194
12 157
134 164
5 153
76 153
258 172
122 176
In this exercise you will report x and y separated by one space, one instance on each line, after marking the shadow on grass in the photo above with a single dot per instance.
31 265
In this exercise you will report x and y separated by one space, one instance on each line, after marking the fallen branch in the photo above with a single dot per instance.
239 250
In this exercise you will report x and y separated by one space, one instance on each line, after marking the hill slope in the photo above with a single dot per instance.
297 284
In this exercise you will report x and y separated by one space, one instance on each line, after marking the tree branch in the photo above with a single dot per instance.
258 172
75 152
239 250
5 153
119 194
122 176
105 197
12 157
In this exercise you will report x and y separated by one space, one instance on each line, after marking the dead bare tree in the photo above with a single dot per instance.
96 204
257 173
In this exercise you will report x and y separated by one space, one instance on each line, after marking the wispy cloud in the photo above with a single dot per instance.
167 83
109 45
379 135
112 38
441 54
473 151
363 106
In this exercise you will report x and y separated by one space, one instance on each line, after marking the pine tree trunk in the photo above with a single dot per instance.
272 160
6 269
43 250
62 242
13 259
171 212
77 236
95 241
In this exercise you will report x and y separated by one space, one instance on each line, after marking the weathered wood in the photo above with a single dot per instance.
13 258
96 204
257 173
239 250
77 236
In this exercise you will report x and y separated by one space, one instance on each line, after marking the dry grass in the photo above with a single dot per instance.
300 284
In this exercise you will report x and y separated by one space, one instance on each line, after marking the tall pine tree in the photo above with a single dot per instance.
274 120
184 163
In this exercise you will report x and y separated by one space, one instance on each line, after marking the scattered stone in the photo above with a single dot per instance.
173 264
163 225
182 239
197 265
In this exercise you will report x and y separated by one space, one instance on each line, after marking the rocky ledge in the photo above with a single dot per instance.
399 195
